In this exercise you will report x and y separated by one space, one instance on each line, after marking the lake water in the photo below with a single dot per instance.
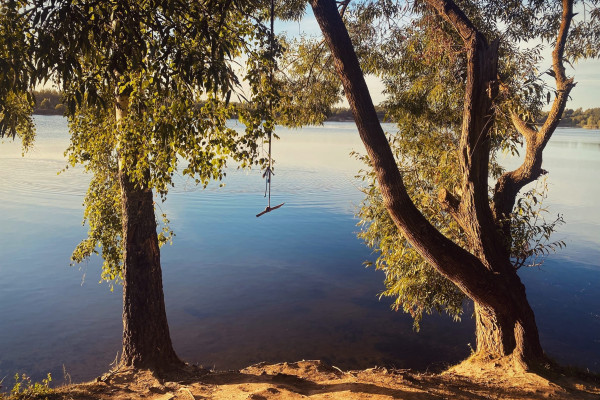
287 286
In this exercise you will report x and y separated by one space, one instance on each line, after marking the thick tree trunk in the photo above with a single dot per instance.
510 330
146 339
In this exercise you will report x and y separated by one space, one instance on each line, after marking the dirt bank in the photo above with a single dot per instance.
315 380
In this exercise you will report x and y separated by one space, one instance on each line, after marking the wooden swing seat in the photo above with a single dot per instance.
268 209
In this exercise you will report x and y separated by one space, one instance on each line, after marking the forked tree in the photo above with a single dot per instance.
479 257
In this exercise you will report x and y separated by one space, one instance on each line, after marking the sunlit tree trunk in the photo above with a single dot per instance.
508 328
146 339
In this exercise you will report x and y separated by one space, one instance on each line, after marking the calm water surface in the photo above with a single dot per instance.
287 286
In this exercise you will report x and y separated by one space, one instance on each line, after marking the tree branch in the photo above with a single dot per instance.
510 183
521 126
448 202
451 204
456 17
343 6
478 117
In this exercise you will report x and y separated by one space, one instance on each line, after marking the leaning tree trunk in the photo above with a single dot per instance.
505 321
146 339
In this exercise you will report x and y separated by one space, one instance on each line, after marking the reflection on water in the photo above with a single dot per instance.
287 286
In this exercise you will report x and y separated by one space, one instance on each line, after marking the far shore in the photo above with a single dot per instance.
332 118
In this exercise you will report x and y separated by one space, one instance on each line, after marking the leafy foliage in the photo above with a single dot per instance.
16 114
415 285
93 144
172 62
530 232
308 82
16 102
289 10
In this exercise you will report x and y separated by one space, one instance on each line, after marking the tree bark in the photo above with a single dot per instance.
505 322
510 330
146 340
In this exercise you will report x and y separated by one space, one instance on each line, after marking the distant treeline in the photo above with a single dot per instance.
580 118
589 118
49 102
344 114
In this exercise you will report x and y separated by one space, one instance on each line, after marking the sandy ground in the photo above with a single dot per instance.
315 380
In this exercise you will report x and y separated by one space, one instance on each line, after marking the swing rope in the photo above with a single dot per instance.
269 171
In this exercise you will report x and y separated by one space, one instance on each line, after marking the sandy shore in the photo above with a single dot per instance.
315 380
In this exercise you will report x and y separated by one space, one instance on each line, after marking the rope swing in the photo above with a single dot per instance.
269 171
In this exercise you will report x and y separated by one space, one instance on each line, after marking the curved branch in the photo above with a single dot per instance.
510 183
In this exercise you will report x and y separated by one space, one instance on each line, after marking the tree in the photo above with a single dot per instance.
476 253
146 84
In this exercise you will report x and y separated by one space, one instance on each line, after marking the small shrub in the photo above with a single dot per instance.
24 389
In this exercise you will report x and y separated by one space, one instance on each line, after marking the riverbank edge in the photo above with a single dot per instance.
313 379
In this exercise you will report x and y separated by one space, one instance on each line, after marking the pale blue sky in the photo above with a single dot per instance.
587 73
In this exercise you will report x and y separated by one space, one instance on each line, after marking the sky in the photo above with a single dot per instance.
586 93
